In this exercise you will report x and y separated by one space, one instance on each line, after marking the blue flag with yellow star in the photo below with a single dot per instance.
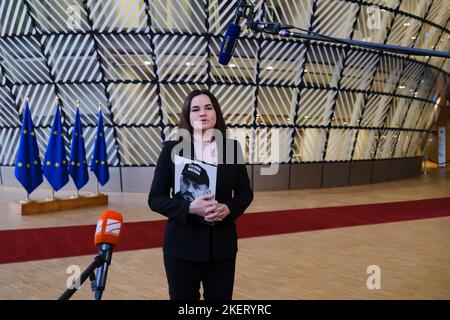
28 168
55 164
77 163
99 163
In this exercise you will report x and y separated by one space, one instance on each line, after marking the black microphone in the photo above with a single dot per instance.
268 27
231 36
107 235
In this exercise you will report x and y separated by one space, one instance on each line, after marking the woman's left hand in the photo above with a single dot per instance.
219 214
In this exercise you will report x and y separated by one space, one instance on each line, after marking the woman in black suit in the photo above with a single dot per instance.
200 243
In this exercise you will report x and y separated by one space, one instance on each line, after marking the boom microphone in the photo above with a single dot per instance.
107 235
231 36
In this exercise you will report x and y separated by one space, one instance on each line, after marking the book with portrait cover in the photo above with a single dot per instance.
194 178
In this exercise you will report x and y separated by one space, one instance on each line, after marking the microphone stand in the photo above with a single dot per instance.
88 273
369 45
281 30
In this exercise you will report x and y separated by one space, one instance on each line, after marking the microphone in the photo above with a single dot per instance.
107 235
269 27
231 36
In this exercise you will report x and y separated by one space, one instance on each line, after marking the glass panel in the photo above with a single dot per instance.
309 145
179 16
335 18
276 106
59 15
340 144
134 104
237 103
118 15
315 107
23 61
373 24
127 57
139 146
73 57
366 144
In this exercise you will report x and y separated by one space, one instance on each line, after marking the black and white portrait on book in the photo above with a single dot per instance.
194 178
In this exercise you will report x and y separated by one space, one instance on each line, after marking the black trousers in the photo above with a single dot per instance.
184 278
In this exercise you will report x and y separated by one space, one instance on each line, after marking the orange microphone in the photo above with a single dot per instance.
109 227
107 236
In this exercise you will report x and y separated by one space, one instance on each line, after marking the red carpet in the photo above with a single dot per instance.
49 243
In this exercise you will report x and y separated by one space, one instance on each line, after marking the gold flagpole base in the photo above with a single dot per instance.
43 206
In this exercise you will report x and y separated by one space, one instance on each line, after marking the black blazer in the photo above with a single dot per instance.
186 236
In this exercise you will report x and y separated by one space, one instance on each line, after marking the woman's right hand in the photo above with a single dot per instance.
203 205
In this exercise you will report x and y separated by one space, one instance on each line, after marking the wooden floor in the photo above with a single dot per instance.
328 264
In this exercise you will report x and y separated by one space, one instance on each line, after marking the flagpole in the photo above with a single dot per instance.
97 186
77 103
27 97
53 190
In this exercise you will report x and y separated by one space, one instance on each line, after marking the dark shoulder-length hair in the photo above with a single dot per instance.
185 122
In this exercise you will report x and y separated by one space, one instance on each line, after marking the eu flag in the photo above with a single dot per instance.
77 163
55 164
99 162
28 168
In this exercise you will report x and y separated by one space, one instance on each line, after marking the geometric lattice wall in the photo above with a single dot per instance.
139 58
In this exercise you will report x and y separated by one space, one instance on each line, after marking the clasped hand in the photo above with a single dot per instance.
208 208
